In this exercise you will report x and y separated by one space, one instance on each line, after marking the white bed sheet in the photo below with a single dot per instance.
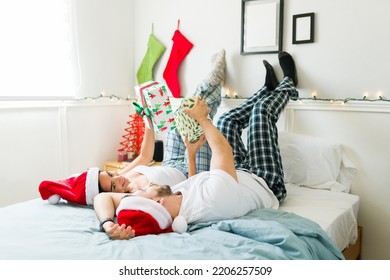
335 212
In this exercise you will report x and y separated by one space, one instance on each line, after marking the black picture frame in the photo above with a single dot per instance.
303 28
261 26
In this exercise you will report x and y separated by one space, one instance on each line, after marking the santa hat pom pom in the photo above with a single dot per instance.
54 199
179 224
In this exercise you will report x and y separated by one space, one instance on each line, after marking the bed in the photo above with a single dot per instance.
318 220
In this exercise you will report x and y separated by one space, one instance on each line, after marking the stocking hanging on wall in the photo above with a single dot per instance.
181 47
153 53
130 147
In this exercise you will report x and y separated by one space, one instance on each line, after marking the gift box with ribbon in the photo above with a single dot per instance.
155 107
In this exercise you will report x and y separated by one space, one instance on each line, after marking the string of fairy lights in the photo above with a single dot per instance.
104 96
313 97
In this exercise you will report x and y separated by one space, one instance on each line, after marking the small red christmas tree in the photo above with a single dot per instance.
131 145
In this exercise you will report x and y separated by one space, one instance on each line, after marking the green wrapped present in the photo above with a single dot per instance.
186 125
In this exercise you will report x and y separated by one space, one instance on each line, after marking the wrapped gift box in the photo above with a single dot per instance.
155 106
186 125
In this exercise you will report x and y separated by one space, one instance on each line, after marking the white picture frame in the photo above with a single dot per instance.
261 26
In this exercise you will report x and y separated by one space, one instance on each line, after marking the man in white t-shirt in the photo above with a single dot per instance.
241 179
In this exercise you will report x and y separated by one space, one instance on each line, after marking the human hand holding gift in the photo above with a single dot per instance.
186 125
155 107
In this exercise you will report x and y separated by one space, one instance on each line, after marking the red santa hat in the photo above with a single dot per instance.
79 189
147 216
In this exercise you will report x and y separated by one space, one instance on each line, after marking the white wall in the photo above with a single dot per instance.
349 58
53 140
106 46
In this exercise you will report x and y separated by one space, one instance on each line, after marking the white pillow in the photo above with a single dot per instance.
315 162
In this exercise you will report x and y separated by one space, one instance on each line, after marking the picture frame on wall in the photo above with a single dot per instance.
303 28
261 26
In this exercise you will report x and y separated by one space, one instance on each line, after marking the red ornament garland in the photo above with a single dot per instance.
131 145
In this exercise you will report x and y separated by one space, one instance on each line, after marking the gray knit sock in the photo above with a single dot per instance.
217 74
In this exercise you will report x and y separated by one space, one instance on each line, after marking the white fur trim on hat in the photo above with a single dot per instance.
91 185
179 224
54 199
153 208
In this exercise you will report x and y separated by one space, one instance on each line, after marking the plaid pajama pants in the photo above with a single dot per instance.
262 155
175 150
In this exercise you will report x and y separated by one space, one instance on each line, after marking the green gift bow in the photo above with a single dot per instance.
141 110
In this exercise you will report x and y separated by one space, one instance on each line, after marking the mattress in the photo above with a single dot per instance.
37 230
335 212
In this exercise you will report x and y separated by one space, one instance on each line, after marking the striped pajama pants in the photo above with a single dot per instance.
259 113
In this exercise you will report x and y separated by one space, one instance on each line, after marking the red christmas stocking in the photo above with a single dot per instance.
181 47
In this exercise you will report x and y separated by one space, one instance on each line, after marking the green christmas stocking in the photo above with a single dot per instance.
153 53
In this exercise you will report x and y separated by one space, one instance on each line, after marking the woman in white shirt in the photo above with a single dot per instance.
82 188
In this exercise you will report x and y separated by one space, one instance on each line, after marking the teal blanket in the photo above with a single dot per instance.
67 231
